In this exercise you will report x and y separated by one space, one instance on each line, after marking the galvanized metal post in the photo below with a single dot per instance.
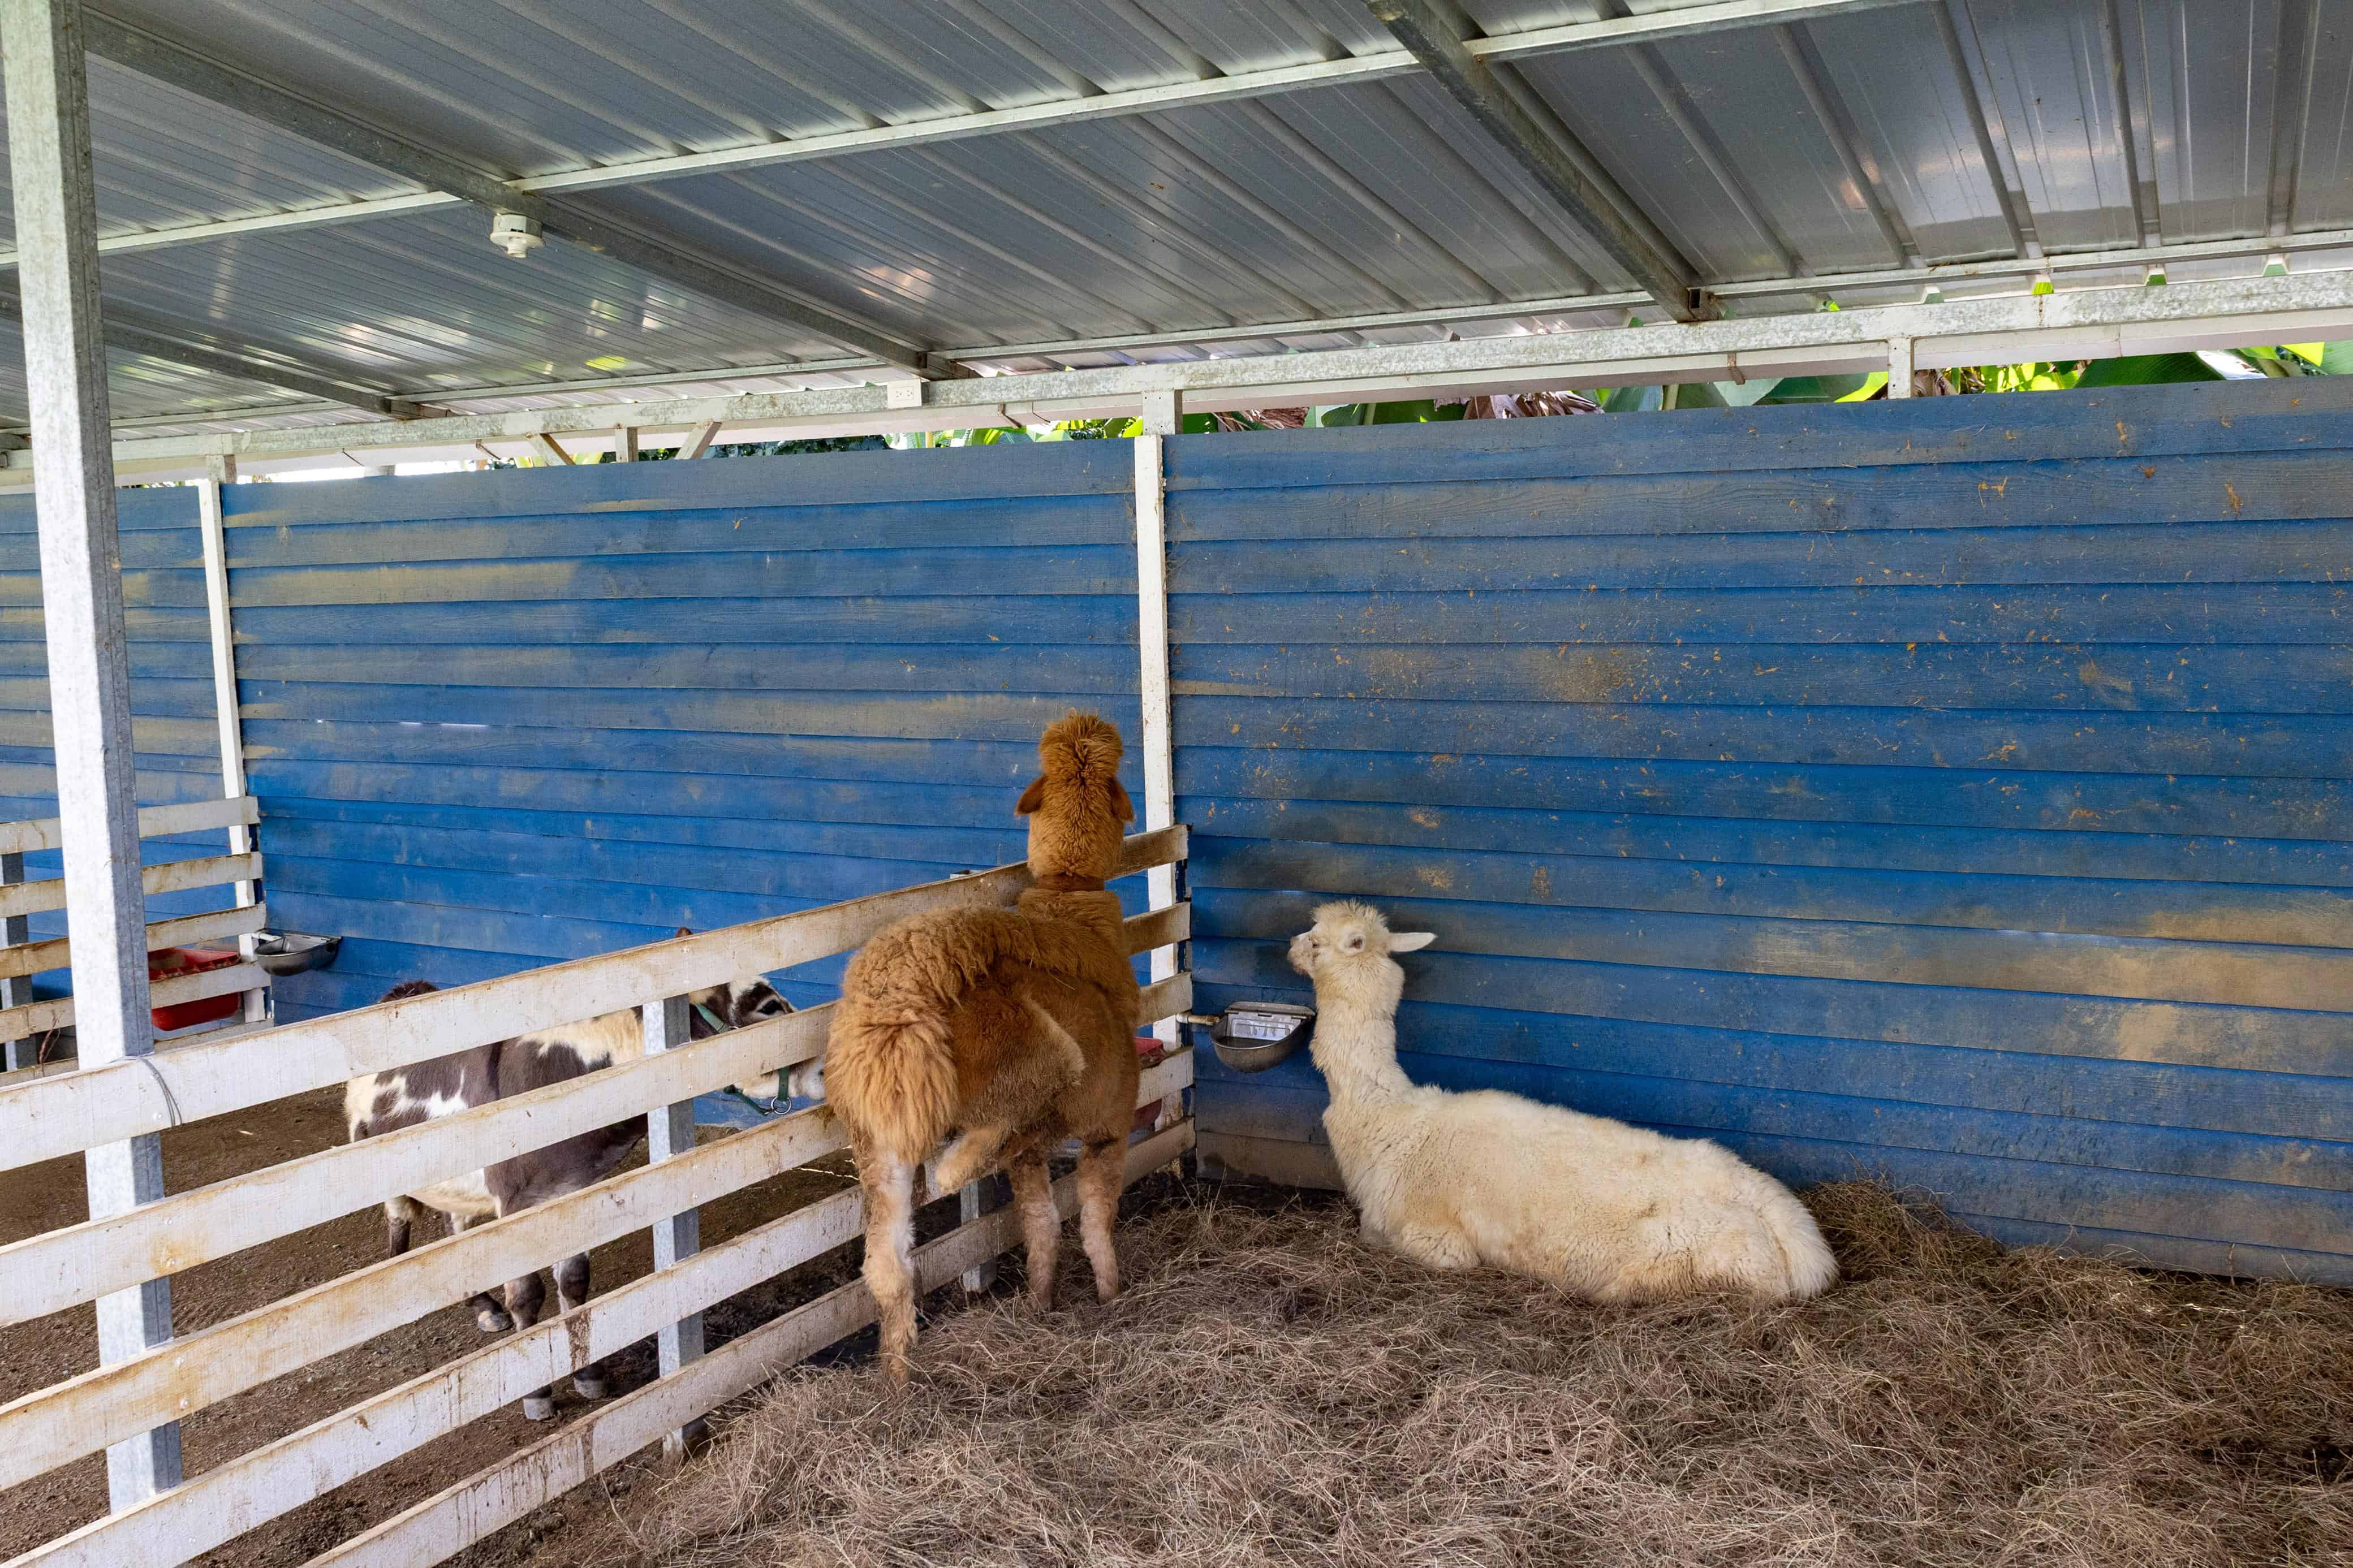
219 471
1162 415
1899 367
669 1133
89 677
17 990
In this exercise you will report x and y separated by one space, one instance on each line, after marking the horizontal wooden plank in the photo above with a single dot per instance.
108 1103
949 570
919 668
879 523
136 507
1232 1157
2239 1038
1984 900
157 589
2232 1259
492 1497
2238 745
1700 842
1998 493
33 958
2306 413
1951 557
164 876
590 491
159 741
154 822
2315 810
2244 975
149 660
824 877
39 1017
2250 614
190 624
958 619
1007 764
976 715
963 847
2014 678
152 697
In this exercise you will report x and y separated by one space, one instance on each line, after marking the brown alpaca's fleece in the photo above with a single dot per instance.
937 1027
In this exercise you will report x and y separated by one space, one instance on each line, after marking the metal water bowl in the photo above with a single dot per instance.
284 952
1251 1036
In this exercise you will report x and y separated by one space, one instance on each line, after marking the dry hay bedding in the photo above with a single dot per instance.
1269 1390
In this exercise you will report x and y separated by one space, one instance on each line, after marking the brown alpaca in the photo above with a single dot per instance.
1011 1029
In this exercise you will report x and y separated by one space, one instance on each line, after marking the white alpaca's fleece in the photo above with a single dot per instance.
1594 1206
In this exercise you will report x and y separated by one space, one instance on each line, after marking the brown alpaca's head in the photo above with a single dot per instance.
1077 810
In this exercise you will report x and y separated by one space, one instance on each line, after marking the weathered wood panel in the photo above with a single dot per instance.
1954 790
512 719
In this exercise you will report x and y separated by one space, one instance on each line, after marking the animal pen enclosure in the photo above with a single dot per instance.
1951 788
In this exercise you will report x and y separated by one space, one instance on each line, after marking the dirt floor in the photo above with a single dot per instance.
48 1349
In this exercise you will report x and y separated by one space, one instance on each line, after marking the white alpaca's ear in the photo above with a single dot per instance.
1409 941
1353 943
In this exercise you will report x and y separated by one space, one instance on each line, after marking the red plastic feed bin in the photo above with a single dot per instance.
177 960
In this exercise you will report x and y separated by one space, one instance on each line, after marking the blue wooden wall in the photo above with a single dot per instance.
1954 789
500 719
172 727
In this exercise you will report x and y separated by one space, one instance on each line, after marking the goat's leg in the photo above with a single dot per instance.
571 1290
890 1183
525 1296
488 1316
399 1213
1041 1227
1102 1165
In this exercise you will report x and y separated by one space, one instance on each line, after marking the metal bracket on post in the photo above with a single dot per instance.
669 1133
219 471
54 192
1899 367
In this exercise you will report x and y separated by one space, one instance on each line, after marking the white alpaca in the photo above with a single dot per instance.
1594 1206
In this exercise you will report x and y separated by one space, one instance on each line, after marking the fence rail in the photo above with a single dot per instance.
55 1426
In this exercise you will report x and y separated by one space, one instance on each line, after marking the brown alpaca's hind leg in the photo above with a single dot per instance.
1041 1227
1101 1167
890 1238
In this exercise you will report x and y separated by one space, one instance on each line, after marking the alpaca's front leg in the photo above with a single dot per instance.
1042 1226
890 1185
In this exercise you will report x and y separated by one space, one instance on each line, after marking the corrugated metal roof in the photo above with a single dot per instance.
1807 152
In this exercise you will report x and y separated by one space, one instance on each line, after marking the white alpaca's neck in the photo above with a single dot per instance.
1355 1047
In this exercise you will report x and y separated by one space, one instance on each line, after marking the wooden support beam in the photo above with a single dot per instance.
1434 32
228 709
56 198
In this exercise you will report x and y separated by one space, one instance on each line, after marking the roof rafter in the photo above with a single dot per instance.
311 381
387 149
1518 125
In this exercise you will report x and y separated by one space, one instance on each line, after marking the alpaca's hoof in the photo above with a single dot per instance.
490 1320
538 1407
591 1385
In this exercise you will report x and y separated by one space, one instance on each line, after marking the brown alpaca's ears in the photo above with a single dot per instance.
1031 798
1120 802
682 931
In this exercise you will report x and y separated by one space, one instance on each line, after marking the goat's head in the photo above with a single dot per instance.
1077 808
734 1005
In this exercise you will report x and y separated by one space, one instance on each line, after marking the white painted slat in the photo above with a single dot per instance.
669 1133
176 876
249 1491
59 1012
179 930
1162 415
449 1522
154 822
51 1425
58 1268
45 1118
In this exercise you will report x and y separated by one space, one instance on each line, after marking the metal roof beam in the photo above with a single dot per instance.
2091 323
272 104
1434 33
1650 28
311 381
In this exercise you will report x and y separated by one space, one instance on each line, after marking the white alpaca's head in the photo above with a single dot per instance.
1348 953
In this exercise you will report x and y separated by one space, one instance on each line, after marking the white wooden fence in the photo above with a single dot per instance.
25 1019
44 1117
